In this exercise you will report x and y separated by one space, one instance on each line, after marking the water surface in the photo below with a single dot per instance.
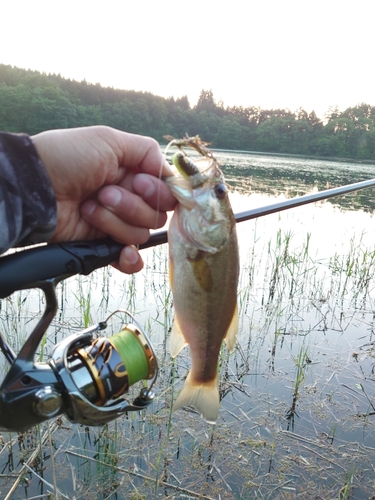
298 407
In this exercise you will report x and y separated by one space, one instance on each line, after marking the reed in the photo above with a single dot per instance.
345 492
301 361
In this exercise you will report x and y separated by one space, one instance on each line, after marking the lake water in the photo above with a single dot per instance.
298 394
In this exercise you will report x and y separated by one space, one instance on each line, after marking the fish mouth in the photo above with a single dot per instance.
191 173
187 187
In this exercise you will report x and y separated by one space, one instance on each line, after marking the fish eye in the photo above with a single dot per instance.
220 190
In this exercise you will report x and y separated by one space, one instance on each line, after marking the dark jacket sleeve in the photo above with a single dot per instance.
28 212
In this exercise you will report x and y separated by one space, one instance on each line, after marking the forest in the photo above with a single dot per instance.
31 101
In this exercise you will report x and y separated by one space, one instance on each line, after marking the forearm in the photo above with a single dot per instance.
27 201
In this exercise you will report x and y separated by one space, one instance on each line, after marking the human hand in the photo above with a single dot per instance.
106 184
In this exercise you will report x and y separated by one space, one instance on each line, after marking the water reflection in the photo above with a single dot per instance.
273 176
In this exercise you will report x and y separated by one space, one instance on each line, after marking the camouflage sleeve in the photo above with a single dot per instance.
27 202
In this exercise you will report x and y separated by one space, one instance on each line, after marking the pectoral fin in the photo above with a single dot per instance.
231 336
202 272
177 340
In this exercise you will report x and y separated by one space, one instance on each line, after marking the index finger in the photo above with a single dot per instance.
143 153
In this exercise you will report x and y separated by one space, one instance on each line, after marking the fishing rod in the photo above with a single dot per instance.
161 237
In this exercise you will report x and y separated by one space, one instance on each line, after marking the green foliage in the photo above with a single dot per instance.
31 102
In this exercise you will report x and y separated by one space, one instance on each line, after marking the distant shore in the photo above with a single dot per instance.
287 155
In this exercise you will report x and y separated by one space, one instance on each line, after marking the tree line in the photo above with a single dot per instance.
31 102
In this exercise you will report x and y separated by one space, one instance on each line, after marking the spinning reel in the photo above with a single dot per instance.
87 374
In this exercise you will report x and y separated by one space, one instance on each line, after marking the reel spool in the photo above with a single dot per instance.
97 372
105 369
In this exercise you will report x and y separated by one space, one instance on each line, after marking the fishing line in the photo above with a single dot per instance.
132 353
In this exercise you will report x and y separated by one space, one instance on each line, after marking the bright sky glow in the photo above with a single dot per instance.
267 53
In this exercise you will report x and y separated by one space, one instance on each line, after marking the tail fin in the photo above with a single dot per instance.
204 397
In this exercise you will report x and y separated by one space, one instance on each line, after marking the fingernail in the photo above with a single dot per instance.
88 207
148 188
130 255
110 196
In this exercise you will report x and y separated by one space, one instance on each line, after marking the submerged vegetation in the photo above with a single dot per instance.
31 102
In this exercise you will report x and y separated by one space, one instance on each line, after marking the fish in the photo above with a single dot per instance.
203 274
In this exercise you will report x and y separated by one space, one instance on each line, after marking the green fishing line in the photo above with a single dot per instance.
133 355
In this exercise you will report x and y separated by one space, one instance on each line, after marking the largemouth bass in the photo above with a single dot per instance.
203 271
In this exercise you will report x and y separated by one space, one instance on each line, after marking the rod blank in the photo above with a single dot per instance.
161 236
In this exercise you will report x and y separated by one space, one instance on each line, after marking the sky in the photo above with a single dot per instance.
267 53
